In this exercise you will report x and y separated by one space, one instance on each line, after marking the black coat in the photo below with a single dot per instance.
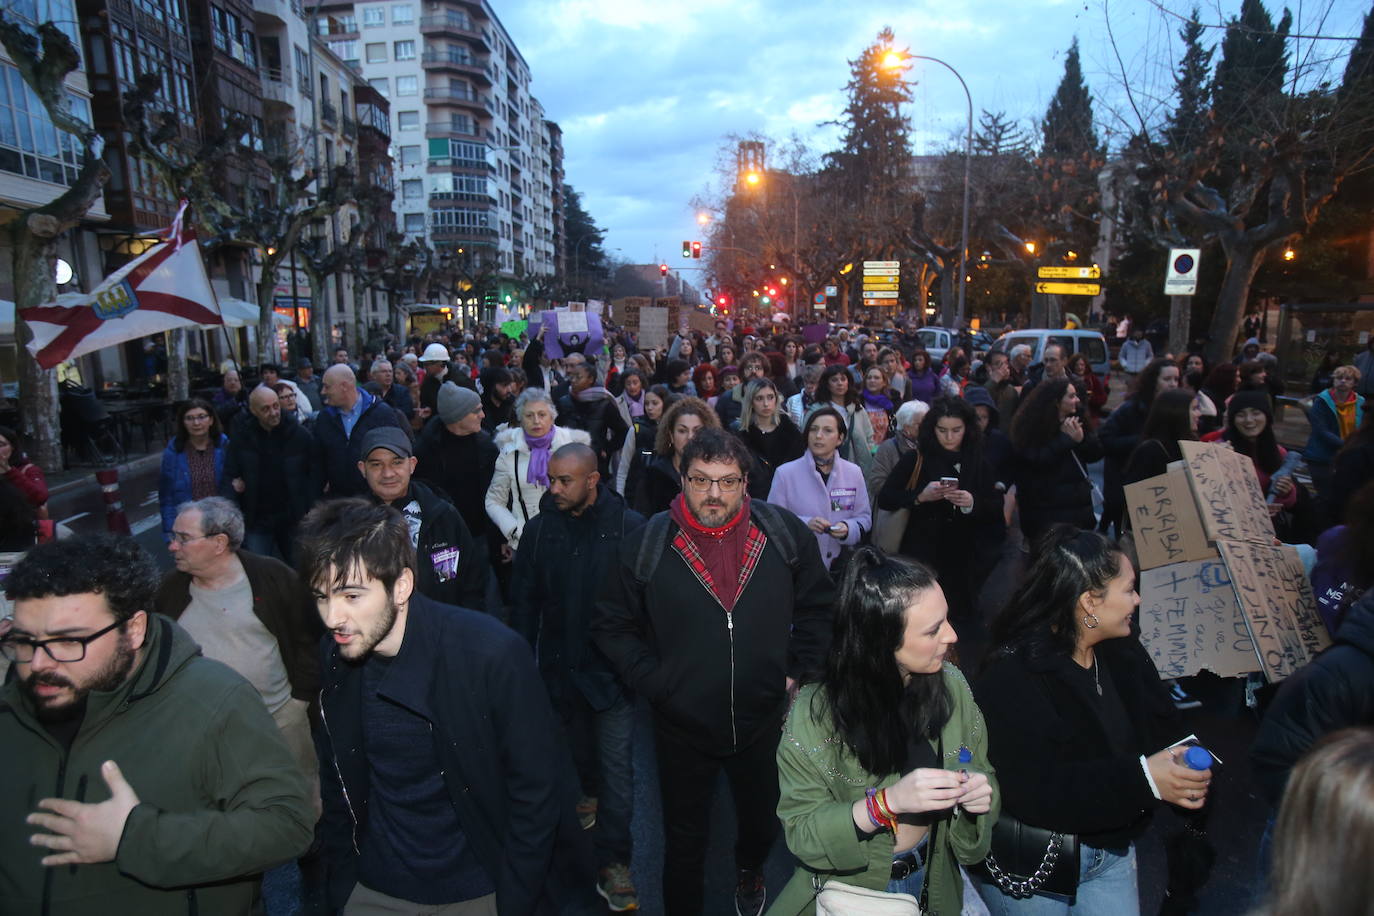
771 450
1054 763
1334 691
1052 487
291 448
716 681
600 418
496 739
397 396
340 452
559 568
442 530
659 484
460 466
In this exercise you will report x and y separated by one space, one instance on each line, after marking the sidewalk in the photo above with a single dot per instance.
72 481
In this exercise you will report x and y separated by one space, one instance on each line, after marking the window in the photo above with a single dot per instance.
29 143
381 84
374 17
376 52
459 151
459 218
402 14
407 120
410 155
412 189
407 85
348 50
405 50
302 71
414 222
223 32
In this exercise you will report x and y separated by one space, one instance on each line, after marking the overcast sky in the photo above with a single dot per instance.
647 91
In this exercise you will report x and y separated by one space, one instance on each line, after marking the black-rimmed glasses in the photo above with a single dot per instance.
59 648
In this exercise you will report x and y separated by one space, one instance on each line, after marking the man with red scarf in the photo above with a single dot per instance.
735 609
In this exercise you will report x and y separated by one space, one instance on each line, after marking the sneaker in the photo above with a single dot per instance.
616 889
586 812
1182 699
750 894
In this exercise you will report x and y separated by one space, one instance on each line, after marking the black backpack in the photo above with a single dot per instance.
770 519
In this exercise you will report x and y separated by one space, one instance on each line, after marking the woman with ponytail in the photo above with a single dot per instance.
883 768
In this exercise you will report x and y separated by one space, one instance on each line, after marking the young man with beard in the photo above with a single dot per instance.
443 780
714 611
151 780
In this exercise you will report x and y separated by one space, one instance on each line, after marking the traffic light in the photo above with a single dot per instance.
663 270
688 248
696 249
722 300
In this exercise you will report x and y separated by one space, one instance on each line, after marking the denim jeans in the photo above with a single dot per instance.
914 882
271 543
601 749
1106 887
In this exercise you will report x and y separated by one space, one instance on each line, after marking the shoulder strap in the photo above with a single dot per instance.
916 471
771 520
515 485
651 544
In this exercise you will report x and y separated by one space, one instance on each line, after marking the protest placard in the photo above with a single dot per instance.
1165 520
1276 600
1190 621
1227 492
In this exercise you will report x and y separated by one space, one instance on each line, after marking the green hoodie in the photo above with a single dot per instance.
220 797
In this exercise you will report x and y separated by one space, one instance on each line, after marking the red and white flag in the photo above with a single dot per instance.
165 287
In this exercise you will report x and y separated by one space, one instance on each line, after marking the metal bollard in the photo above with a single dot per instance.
115 519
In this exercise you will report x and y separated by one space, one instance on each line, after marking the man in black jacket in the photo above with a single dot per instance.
441 770
447 567
271 469
591 408
382 378
734 611
340 427
565 554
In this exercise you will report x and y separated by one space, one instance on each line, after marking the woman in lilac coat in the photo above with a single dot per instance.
823 489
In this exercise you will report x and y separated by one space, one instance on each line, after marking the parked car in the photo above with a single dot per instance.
1090 343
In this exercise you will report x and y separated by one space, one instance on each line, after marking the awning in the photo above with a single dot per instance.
240 313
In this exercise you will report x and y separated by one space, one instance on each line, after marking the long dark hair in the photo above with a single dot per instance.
180 437
1170 419
1038 619
971 449
1264 450
17 456
862 685
1147 383
823 396
1221 381
1036 421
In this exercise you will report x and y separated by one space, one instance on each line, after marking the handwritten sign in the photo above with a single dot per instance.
1276 600
653 326
1165 520
1227 492
1190 621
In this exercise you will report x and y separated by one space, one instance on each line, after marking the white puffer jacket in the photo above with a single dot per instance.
511 500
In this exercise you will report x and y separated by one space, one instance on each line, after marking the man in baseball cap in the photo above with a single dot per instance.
447 565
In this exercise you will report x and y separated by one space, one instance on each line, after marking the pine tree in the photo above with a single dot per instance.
1192 88
584 255
1253 65
876 149
1068 126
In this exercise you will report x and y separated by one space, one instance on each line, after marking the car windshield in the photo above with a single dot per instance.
1093 348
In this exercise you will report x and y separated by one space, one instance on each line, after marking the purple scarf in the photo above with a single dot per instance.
538 472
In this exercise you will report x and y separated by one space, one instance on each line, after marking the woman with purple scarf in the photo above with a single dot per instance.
522 467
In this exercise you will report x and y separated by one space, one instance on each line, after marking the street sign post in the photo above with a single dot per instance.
1181 277
868 264
879 294
818 301
1068 289
832 291
1054 272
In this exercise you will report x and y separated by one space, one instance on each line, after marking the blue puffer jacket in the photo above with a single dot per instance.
1325 439
174 484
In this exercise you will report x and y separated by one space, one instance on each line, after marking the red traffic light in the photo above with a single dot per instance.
663 270
696 249
723 300
772 290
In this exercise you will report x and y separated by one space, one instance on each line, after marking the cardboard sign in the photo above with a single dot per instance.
1276 601
513 329
1190 621
1165 520
1227 492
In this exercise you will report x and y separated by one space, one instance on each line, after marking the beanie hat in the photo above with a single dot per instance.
1259 400
456 403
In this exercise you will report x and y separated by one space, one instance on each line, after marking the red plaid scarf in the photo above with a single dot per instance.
723 559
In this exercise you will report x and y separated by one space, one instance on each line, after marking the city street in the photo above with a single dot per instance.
1237 818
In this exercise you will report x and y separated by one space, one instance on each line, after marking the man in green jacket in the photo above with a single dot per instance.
151 780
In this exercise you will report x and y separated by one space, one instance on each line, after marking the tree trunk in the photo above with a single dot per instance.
321 341
1180 323
33 286
948 297
178 374
267 322
359 292
1242 262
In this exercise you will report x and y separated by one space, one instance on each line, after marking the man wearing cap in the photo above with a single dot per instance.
458 456
437 371
448 568
340 427
308 385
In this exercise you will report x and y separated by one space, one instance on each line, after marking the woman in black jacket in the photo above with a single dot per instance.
1053 447
772 437
1079 725
1173 419
662 478
955 524
1120 433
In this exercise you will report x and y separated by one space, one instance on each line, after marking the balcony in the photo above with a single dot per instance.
450 164
462 233
461 97
329 114
462 197
454 62
449 129
455 26
276 85
349 127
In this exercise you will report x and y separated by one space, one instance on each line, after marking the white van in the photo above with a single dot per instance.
1090 343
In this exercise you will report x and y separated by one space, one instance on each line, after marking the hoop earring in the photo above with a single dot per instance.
1093 618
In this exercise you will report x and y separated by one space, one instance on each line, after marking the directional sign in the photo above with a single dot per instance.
1069 273
832 290
1069 289
891 286
882 272
882 264
880 294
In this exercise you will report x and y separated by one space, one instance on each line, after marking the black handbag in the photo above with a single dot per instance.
1026 860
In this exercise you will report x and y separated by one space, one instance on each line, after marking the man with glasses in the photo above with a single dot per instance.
713 613
157 771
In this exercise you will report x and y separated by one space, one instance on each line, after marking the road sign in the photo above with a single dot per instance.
882 264
880 294
892 286
819 299
1069 273
1181 277
832 290
1069 289
882 271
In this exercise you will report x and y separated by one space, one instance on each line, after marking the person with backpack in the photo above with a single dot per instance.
714 612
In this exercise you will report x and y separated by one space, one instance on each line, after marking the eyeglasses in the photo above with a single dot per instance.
701 484
197 418
59 648
182 537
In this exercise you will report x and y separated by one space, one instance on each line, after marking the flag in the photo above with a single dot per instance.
165 287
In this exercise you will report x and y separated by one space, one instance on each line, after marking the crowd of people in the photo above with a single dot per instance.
416 599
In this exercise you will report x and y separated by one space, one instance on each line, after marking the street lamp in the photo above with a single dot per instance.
893 59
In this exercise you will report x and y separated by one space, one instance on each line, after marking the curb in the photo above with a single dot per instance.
86 477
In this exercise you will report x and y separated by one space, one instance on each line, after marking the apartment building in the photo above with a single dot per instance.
478 167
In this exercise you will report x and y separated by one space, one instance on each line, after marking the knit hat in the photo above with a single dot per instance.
1259 400
456 403
391 438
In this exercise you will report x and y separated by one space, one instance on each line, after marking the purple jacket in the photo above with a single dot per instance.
924 387
798 487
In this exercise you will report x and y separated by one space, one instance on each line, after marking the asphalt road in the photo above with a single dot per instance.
1223 724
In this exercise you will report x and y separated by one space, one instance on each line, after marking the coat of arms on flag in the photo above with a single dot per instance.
165 287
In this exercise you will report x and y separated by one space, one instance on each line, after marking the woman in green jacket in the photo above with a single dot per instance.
883 767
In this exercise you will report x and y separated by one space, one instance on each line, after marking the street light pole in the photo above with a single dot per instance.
968 158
